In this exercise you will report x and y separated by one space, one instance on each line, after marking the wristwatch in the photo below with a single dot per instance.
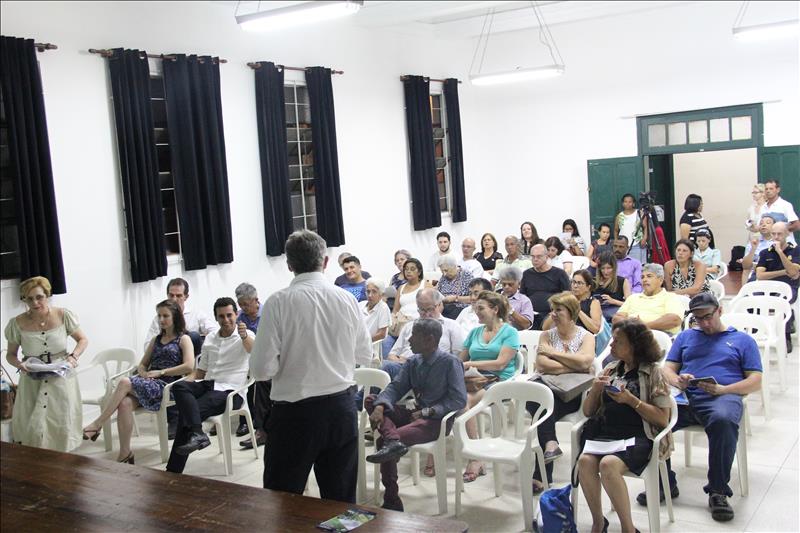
427 412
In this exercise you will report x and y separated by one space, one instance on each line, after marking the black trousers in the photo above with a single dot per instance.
547 429
259 402
320 432
195 401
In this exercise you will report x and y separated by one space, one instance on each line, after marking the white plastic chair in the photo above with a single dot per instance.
530 340
518 451
113 362
765 288
432 275
437 448
223 424
723 271
367 378
377 354
717 289
650 475
580 262
664 342
519 365
778 311
684 301
759 328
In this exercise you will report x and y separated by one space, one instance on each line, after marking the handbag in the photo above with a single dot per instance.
8 393
398 321
476 383
603 337
568 386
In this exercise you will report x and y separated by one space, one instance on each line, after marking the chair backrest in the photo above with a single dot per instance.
765 288
723 270
115 360
376 349
519 393
530 339
371 377
684 301
664 342
519 363
579 262
717 288
775 307
432 275
756 326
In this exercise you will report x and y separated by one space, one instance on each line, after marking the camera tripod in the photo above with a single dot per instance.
647 214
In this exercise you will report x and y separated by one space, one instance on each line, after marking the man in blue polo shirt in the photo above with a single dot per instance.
781 262
731 357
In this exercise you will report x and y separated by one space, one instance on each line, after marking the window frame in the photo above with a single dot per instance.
448 183
308 203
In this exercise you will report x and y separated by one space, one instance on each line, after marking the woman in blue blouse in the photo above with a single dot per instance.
491 349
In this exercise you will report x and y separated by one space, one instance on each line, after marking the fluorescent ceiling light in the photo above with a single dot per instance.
520 74
305 13
771 30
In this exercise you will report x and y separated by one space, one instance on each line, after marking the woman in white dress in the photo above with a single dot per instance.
47 412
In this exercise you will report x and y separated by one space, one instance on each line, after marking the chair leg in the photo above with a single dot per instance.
459 479
662 469
135 425
163 441
376 483
361 487
540 457
765 399
687 448
498 480
252 431
741 462
440 465
526 489
415 467
108 436
226 443
653 499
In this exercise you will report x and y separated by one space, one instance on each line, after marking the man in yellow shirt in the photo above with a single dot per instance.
654 306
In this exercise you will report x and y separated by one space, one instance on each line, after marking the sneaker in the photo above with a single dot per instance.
392 451
641 499
721 510
197 441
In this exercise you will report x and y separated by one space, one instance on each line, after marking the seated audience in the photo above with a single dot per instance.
781 262
692 219
684 274
405 303
400 258
354 282
528 238
575 245
258 393
639 411
521 309
491 349
198 325
611 289
221 369
566 348
437 379
655 306
756 246
540 282
603 244
590 316
467 262
710 257
732 358
42 332
454 286
775 204
513 258
627 267
467 319
558 256
342 279
443 242
249 306
488 255
168 357
374 310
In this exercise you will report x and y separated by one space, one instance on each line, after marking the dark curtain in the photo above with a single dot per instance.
29 154
326 157
456 153
138 164
197 146
271 117
422 164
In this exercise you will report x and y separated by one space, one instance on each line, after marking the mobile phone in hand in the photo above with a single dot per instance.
612 388
709 379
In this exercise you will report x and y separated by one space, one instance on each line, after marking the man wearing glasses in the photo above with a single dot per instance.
732 359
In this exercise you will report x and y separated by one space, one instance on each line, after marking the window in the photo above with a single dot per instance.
169 207
10 266
300 148
439 124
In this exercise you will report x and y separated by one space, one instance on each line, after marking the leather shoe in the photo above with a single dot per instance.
242 430
261 439
641 499
197 441
393 506
392 451
721 510
552 455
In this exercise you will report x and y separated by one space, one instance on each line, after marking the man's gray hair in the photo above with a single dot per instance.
428 326
654 268
511 273
433 294
305 251
404 252
447 261
245 291
513 238
378 283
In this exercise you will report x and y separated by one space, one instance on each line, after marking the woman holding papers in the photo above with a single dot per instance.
627 406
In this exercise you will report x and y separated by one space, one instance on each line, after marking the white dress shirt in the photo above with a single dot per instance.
225 360
472 266
467 319
195 321
452 340
310 341
378 317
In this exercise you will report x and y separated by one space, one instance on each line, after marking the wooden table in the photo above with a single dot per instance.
42 490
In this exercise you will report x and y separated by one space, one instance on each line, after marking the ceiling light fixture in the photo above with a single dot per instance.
295 15
519 73
761 32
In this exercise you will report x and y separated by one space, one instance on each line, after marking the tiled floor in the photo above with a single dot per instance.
772 504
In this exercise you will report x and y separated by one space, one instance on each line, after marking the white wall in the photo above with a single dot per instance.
525 146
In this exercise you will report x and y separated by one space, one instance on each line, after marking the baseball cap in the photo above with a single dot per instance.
703 300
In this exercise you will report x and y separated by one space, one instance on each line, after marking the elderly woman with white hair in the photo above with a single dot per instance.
521 309
374 311
454 286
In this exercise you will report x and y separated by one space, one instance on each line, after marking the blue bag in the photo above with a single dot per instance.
603 337
555 512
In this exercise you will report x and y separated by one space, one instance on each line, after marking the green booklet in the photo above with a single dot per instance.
347 521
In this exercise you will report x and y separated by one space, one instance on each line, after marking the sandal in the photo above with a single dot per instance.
538 486
129 459
91 434
430 471
469 476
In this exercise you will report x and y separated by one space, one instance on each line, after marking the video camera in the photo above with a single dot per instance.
647 200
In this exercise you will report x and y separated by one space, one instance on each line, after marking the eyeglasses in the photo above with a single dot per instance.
426 309
37 298
578 282
703 318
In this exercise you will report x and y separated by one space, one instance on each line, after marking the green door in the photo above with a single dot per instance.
782 163
609 179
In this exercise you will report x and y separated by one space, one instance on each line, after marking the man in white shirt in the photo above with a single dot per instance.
443 242
776 204
468 261
467 319
513 258
222 368
198 325
309 345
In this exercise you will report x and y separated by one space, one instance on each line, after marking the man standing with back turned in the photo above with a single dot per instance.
309 344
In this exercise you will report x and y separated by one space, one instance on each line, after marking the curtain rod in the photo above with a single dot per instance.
255 66
404 77
108 53
41 47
